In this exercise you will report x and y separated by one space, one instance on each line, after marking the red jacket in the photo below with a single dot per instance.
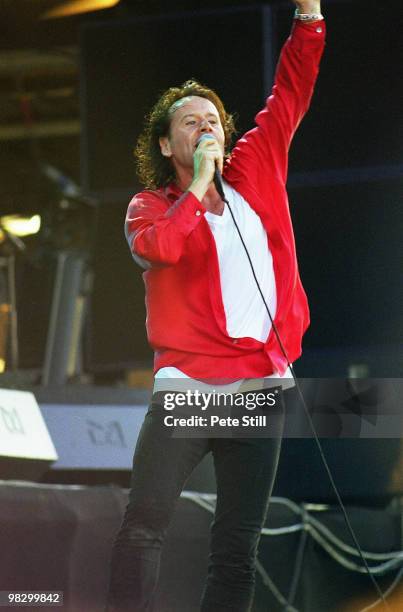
166 228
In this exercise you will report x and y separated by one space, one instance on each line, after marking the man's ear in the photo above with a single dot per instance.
165 146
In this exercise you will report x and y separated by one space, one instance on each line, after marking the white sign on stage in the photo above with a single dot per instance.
23 432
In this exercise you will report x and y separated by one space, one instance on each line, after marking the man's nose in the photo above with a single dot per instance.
205 126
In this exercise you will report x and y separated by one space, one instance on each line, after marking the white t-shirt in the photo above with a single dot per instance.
246 315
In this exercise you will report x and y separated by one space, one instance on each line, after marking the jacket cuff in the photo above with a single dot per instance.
186 212
308 36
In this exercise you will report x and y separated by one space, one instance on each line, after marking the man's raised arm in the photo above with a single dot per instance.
294 82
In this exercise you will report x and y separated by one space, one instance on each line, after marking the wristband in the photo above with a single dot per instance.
308 16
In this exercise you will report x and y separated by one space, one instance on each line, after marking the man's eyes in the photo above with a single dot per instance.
193 122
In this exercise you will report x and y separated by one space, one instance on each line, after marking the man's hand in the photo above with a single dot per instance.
207 154
308 6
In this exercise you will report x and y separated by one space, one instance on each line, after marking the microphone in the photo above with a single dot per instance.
217 180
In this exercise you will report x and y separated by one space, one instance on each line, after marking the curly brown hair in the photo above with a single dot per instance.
153 169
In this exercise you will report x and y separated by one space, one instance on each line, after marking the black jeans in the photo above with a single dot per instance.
245 469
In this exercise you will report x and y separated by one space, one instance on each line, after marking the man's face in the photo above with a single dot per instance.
191 117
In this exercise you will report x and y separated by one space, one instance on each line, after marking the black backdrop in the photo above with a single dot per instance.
126 64
355 118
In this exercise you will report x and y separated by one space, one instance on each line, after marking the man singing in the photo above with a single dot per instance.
206 318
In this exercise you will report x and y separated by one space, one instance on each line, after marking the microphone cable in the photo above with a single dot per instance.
220 190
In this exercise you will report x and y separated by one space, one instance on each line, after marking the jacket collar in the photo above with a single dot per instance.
171 191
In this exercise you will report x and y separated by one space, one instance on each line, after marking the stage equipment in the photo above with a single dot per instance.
60 537
100 437
62 356
12 229
94 430
73 228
